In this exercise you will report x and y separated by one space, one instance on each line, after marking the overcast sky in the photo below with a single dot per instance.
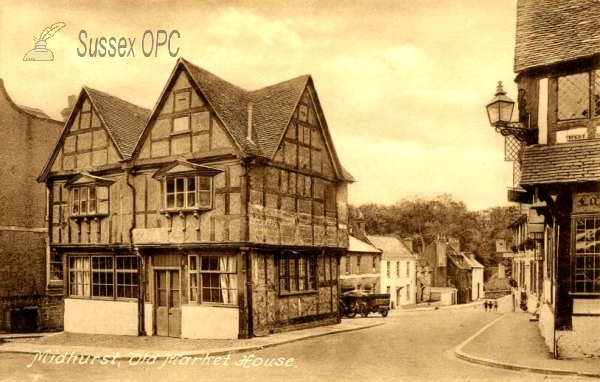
403 83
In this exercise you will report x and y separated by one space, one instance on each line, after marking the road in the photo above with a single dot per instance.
409 347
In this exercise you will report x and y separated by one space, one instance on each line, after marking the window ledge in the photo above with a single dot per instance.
299 293
185 211
89 217
211 305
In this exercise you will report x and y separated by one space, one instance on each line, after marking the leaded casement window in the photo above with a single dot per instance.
107 277
187 193
586 275
579 95
212 279
296 273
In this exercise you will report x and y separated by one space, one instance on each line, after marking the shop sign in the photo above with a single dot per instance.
586 202
520 196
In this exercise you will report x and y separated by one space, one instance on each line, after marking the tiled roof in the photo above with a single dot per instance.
356 245
474 263
124 121
551 31
391 246
273 107
229 101
459 260
36 112
562 163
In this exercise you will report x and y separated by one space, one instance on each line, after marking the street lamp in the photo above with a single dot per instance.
500 111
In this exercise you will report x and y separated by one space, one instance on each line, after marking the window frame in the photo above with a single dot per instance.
55 267
297 273
195 293
198 191
94 275
101 199
576 255
593 90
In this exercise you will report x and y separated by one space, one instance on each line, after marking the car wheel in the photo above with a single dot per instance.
364 311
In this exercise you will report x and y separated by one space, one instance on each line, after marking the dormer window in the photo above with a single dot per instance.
186 186
84 200
89 195
191 192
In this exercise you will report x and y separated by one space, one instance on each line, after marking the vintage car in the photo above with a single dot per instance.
363 302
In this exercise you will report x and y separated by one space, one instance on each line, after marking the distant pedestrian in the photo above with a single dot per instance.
495 305
485 305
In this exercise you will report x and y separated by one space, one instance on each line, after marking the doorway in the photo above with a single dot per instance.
167 300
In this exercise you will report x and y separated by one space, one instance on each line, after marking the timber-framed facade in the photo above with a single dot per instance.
222 213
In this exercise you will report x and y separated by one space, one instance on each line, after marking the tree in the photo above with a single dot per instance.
425 219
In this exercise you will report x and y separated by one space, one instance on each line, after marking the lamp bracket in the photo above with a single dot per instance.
517 129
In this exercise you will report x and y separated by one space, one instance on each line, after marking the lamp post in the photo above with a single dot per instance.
500 110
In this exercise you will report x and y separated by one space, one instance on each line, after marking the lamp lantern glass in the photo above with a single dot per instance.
501 107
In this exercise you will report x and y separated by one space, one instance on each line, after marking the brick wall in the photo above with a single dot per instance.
31 314
26 144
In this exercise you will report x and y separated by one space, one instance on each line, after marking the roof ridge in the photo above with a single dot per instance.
186 62
26 109
88 88
303 77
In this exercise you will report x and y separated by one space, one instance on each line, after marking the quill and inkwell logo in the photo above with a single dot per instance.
41 53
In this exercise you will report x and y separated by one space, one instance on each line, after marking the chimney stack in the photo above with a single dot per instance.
250 121
67 110
358 227
408 242
454 243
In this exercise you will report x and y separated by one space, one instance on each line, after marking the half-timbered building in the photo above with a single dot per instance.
222 213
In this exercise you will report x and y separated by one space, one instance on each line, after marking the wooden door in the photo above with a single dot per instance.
168 303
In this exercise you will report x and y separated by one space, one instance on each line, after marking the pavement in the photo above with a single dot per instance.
511 341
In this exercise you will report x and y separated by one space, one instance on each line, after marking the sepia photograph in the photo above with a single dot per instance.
303 190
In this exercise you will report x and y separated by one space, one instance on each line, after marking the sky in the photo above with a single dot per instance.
403 84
